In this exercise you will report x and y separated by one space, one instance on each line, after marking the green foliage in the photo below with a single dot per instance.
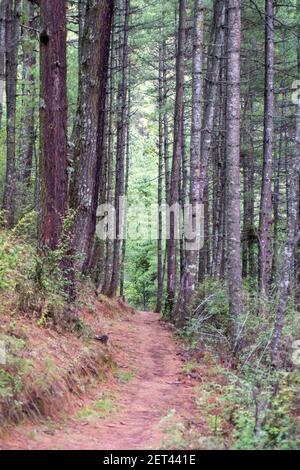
101 408
26 227
263 406
37 282
141 281
12 376
16 261
125 376
174 430
262 420
209 321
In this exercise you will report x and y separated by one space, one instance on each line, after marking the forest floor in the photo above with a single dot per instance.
150 402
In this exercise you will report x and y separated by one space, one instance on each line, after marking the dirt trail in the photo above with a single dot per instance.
146 346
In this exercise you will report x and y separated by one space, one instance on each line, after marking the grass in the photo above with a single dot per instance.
174 431
51 426
100 408
125 376
190 366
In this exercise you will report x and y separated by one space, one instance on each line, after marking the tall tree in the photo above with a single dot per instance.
292 232
27 131
219 166
89 126
3 8
121 137
266 198
110 157
53 121
126 187
160 182
247 157
176 161
234 264
209 113
292 238
188 282
11 67
81 14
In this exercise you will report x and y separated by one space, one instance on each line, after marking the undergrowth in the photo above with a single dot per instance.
31 283
48 359
260 406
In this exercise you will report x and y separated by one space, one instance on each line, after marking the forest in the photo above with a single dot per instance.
150 224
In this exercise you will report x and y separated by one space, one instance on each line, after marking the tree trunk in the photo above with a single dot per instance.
27 132
3 8
165 144
97 261
81 16
210 94
183 192
127 167
53 122
292 234
220 183
89 127
292 239
159 292
177 151
188 283
297 266
120 157
222 144
247 156
166 121
234 265
277 189
110 157
266 199
11 68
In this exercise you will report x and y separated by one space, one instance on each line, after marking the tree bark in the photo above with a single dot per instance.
53 122
292 234
159 292
89 127
219 231
127 168
183 192
120 156
81 16
3 8
292 238
27 131
266 199
97 261
210 93
177 150
234 265
110 157
11 68
277 191
188 283
247 156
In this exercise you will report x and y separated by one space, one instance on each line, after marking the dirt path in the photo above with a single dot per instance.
152 386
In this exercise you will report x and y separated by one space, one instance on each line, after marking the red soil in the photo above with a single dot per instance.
146 346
